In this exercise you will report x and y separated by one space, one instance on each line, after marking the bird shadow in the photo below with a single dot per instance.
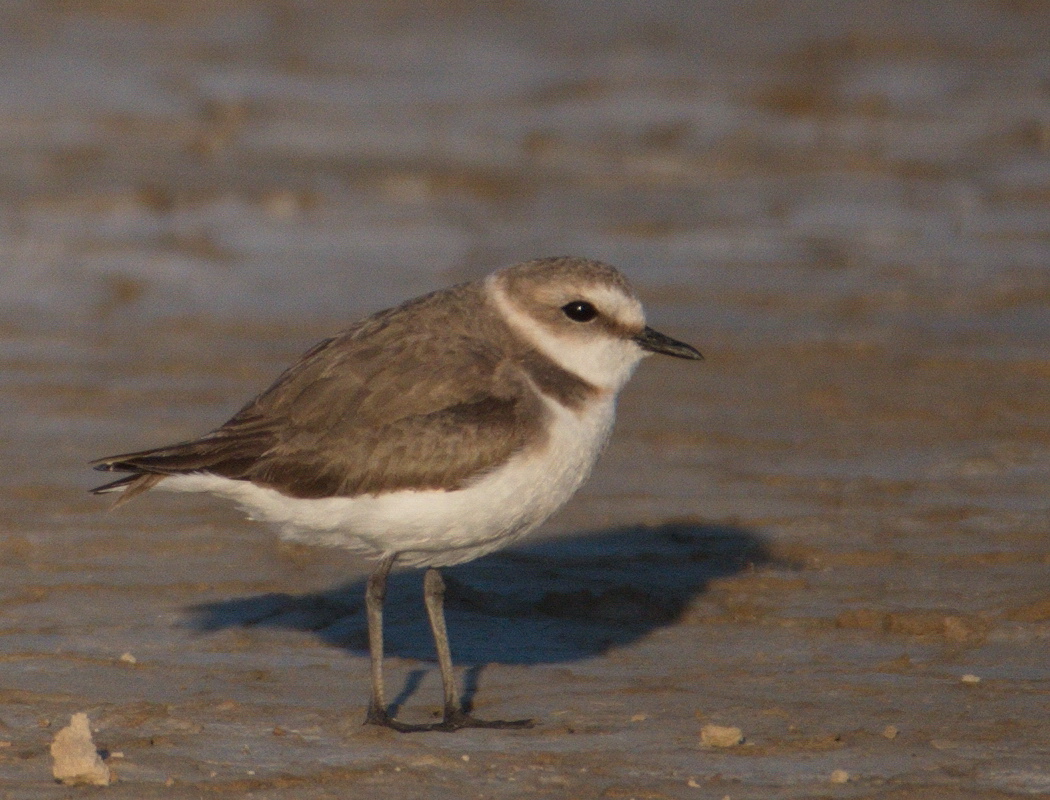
551 601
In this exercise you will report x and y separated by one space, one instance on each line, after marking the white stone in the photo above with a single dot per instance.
720 736
76 760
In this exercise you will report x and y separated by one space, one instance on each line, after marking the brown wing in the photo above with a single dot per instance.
370 411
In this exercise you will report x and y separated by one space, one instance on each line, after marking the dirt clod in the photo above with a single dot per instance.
839 776
720 736
75 759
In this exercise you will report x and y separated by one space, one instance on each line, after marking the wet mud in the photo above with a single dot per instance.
832 534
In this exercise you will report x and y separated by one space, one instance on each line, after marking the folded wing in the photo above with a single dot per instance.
362 413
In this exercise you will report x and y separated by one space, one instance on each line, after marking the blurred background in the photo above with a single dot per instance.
844 205
780 171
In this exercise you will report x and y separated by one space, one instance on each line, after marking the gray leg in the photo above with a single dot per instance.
434 599
375 594
455 716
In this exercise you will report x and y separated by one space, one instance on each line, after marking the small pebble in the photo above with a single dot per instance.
127 658
971 679
280 204
639 717
840 776
720 736
890 732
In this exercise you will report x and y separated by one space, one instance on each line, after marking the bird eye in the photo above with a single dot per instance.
580 311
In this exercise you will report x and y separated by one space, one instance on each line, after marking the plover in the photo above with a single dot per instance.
429 434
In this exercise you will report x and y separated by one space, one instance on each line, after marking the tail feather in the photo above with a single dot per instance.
214 453
129 486
120 485
219 452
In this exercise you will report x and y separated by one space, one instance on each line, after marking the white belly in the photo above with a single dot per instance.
437 527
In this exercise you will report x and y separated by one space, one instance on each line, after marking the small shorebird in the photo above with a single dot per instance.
429 434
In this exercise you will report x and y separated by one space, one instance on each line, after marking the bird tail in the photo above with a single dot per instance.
147 468
129 487
221 452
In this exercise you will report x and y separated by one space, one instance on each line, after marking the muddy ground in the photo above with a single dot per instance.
833 533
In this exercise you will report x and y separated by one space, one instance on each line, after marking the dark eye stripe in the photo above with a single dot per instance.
580 311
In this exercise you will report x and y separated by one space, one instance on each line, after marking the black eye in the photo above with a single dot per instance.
580 311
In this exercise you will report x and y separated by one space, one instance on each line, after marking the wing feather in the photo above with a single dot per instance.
371 411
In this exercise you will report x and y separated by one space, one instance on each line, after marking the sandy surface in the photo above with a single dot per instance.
812 536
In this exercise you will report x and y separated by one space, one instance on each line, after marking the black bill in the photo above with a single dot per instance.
656 342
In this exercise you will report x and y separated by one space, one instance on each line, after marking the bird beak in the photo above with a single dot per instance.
656 342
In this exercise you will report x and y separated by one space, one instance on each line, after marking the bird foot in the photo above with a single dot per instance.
458 719
381 718
453 721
